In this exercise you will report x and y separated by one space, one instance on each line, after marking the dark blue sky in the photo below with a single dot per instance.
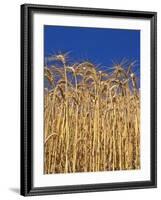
99 45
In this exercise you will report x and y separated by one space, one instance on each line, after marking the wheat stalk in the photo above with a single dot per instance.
91 118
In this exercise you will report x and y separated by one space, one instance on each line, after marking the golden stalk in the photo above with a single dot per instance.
91 119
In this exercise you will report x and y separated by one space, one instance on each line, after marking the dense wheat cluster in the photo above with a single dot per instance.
91 118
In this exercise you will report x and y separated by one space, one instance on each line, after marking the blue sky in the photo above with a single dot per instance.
99 45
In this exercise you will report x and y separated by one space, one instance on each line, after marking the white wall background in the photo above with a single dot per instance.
10 98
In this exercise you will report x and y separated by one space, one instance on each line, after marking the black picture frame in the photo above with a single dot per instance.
27 188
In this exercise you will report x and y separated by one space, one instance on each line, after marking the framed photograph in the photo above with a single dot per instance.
88 99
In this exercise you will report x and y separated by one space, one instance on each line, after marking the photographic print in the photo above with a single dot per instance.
91 99
88 100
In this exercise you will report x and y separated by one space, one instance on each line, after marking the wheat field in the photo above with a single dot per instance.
91 118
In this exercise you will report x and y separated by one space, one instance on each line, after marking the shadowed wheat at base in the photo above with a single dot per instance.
91 118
